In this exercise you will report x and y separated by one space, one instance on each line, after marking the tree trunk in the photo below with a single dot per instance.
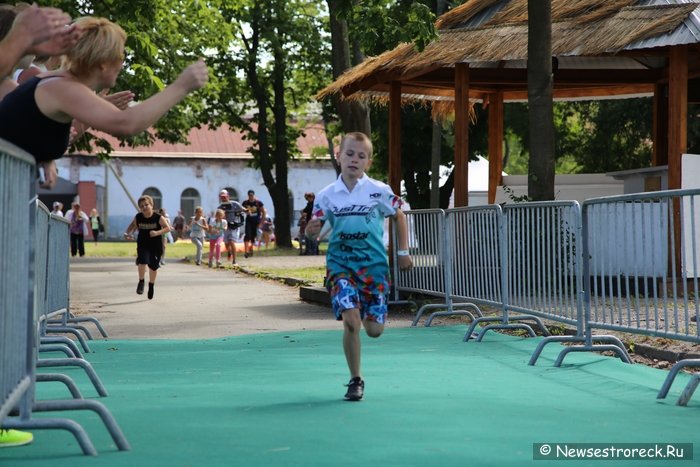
279 191
354 115
435 153
540 183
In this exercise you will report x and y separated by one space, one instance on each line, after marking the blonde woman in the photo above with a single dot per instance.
47 103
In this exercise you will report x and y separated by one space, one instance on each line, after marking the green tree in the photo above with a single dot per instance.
164 37
375 26
616 135
279 58
591 136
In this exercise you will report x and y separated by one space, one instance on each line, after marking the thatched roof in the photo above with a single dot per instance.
493 33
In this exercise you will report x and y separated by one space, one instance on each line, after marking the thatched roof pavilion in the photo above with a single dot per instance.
601 48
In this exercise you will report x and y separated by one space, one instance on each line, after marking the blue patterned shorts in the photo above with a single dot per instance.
346 295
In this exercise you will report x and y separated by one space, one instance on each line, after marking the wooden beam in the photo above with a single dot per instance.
660 126
478 92
461 129
495 144
593 92
394 162
677 112
444 77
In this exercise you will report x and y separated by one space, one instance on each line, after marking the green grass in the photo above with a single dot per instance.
186 250
125 249
180 249
308 275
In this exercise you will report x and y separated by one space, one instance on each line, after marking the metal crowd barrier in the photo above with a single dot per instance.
545 273
16 301
479 265
57 296
625 263
644 268
426 243
24 300
59 319
51 292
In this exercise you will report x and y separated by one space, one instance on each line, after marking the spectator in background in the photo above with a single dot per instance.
253 221
198 227
95 225
78 229
40 64
233 211
268 232
216 237
311 243
167 236
57 208
179 225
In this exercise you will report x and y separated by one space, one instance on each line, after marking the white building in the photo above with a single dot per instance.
180 177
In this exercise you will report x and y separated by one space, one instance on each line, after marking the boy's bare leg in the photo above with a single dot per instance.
351 340
142 271
372 328
152 275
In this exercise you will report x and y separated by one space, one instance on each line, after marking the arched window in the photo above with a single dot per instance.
189 199
154 193
232 193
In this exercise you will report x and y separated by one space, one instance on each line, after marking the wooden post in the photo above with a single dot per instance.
660 126
677 133
461 134
395 137
677 112
495 144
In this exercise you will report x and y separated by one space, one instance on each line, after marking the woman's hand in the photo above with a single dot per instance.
194 76
121 99
50 174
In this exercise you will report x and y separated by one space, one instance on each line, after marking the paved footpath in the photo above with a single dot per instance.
192 302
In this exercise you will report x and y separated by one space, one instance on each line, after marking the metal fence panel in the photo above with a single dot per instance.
643 263
58 265
16 173
543 243
474 235
426 243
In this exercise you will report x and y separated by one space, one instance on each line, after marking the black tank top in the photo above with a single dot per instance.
23 124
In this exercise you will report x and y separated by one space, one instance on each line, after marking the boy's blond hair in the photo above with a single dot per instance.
145 198
102 42
361 137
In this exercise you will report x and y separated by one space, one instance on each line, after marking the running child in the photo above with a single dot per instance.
357 275
216 237
149 243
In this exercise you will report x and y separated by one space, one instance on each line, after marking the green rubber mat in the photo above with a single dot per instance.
430 400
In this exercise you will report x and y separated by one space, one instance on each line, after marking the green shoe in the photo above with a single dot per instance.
10 438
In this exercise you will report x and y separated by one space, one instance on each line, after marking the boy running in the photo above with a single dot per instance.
149 244
357 275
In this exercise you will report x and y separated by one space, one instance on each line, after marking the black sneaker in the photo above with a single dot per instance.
356 389
150 290
139 287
